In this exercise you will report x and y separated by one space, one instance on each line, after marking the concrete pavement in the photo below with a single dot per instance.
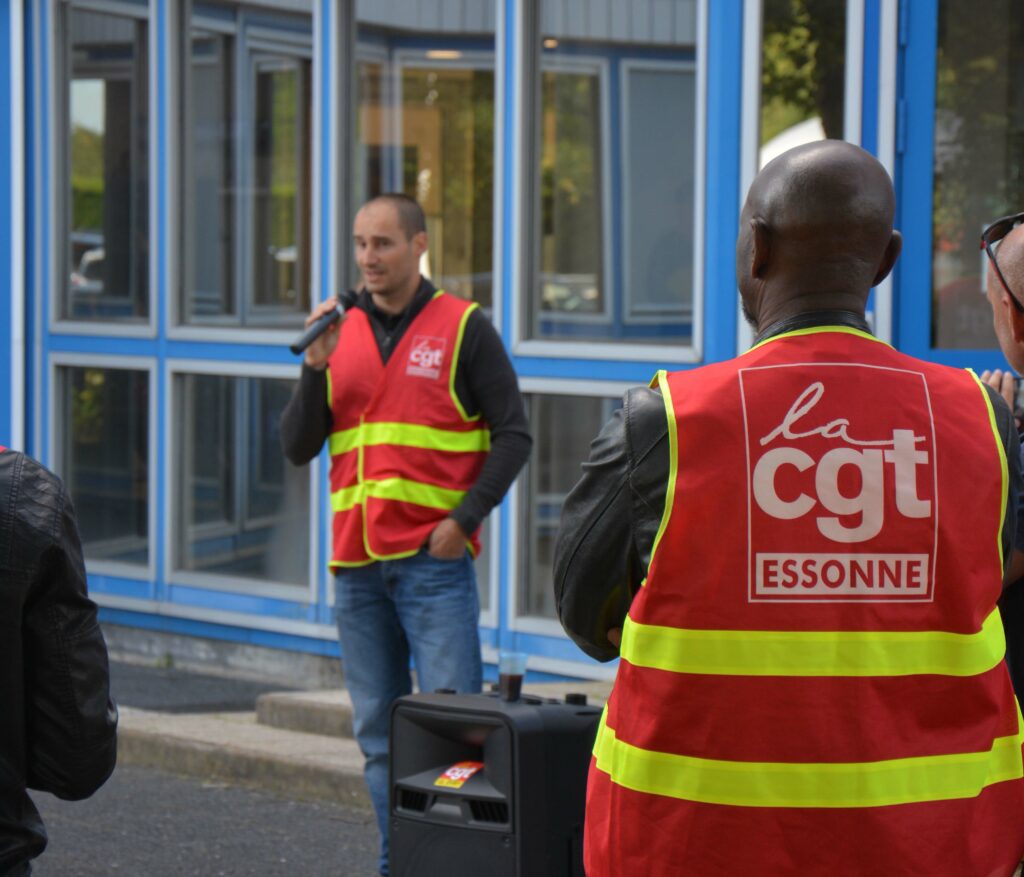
235 748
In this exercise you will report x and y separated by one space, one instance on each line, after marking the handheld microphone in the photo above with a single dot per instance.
345 300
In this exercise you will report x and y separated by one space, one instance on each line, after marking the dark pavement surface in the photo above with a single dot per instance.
173 690
145 823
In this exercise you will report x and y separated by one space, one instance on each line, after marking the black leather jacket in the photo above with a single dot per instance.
57 722
611 517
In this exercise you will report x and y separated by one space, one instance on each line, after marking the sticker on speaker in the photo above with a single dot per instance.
456 775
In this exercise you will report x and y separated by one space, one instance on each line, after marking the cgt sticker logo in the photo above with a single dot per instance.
841 479
426 357
455 776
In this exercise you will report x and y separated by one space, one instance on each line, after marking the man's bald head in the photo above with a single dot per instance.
815 232
821 191
1010 255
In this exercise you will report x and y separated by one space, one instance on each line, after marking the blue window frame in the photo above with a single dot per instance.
960 164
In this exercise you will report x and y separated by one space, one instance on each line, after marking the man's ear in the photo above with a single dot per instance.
892 253
1015 318
762 244
419 243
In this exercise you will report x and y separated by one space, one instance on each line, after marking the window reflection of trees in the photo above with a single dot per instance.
570 193
425 123
979 157
449 168
281 214
803 70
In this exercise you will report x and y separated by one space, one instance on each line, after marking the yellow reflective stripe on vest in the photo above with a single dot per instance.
660 383
398 489
814 653
1001 451
455 362
411 435
781 784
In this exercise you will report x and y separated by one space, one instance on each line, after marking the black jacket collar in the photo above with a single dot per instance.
814 318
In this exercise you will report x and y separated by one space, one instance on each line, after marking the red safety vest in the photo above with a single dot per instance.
811 679
403 450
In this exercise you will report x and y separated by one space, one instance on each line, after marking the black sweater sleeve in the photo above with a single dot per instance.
486 384
306 419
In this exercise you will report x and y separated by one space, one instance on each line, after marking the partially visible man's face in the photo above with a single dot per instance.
1001 322
389 261
1002 310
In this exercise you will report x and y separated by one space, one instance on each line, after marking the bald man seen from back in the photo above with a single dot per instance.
797 554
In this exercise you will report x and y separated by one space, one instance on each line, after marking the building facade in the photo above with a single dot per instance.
178 186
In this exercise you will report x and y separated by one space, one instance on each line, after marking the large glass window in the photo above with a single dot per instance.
103 453
425 126
241 509
979 158
571 187
106 194
562 427
658 218
281 206
210 255
247 168
612 229
803 73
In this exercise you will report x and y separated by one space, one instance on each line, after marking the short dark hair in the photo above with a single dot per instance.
410 214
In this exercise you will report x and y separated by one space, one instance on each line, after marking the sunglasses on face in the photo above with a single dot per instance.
990 239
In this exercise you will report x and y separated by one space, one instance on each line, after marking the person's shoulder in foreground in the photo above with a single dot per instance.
58 729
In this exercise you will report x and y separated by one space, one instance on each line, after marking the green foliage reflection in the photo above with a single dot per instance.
802 65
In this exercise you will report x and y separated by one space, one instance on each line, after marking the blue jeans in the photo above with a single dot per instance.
419 607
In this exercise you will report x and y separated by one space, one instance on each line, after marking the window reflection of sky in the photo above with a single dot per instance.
87 104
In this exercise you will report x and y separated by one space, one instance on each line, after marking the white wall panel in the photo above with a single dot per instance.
657 22
450 16
620 18
576 18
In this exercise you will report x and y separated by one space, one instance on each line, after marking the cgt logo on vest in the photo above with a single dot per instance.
841 483
425 357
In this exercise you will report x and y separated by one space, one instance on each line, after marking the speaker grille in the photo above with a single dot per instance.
410 799
489 811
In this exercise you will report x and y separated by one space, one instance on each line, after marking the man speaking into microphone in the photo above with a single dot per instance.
415 395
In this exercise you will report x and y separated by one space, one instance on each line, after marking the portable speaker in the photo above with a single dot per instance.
482 786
